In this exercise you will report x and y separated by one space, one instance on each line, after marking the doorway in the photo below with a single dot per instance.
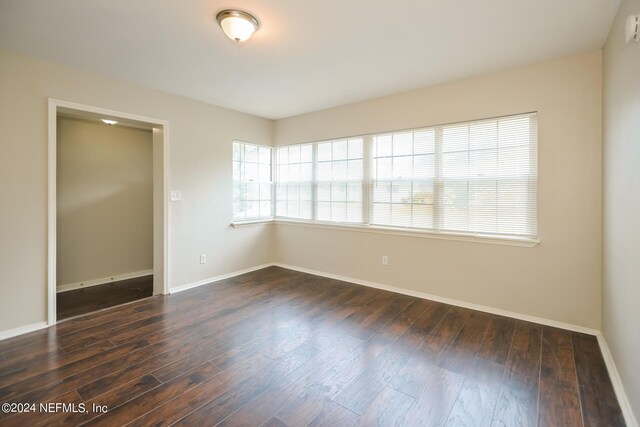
107 212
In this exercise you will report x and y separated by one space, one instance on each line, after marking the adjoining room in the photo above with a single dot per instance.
104 214
280 213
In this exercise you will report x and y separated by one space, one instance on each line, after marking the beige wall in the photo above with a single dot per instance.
621 185
104 201
561 278
200 166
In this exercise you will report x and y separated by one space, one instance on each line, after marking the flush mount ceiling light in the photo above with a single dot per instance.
237 25
109 122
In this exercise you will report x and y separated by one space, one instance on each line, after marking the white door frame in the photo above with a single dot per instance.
160 196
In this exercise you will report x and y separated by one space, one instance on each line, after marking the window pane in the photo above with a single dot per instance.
422 216
424 142
383 146
483 135
381 214
402 144
264 173
383 169
354 212
382 192
294 154
455 165
237 148
339 192
324 192
306 172
236 171
305 192
455 139
294 172
265 156
324 151
339 171
305 209
339 150
324 171
306 153
283 156
423 166
401 215
250 153
354 191
401 192
402 167
513 131
354 170
355 148
338 211
324 211
422 193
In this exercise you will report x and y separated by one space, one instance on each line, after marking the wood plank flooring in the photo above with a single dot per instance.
87 300
277 347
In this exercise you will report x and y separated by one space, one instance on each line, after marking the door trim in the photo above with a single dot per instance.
160 129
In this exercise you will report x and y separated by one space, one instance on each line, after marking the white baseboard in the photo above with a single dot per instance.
103 281
217 278
623 400
22 330
450 301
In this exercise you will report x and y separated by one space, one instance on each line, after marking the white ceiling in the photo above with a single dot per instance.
308 54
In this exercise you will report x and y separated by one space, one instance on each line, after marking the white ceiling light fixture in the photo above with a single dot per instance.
632 29
239 26
109 122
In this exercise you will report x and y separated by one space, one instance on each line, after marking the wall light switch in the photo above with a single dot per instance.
176 195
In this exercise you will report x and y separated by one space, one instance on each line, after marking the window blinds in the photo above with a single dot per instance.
403 174
477 177
339 180
294 181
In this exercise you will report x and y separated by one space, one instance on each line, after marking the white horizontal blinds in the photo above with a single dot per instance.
403 174
252 183
489 176
294 181
339 177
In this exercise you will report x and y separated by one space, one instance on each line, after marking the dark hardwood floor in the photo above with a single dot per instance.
87 300
282 348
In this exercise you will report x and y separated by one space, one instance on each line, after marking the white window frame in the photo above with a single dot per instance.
365 226
271 183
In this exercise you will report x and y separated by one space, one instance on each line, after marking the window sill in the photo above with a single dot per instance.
250 223
496 240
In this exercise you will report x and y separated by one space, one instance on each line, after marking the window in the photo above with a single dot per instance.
252 185
294 177
403 178
339 180
489 177
476 178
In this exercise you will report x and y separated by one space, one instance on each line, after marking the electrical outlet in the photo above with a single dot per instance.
203 258
175 195
385 260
